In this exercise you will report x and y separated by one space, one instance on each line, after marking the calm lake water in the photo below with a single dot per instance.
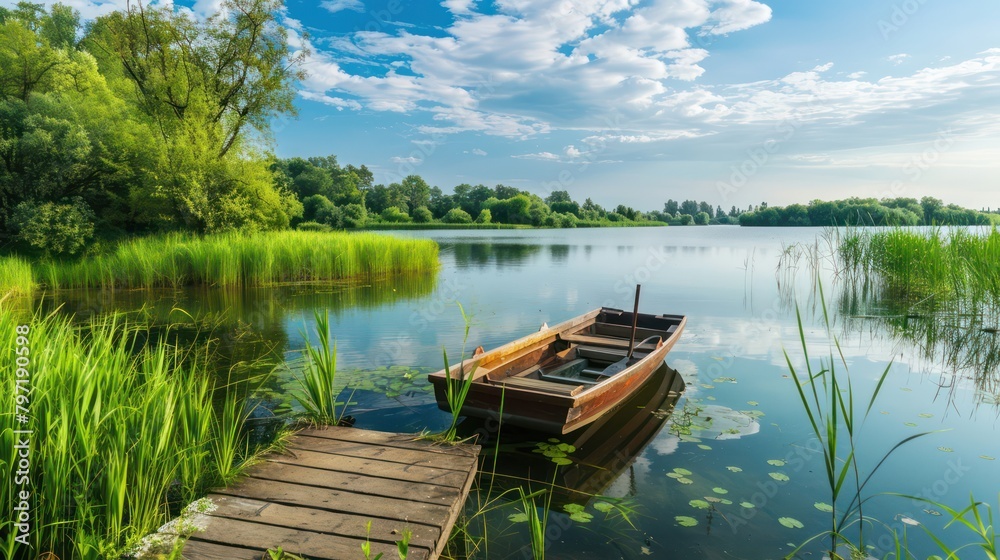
738 435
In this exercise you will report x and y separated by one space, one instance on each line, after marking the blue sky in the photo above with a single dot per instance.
637 101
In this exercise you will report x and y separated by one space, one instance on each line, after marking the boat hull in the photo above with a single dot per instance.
559 409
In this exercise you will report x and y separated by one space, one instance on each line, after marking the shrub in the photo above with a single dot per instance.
484 217
566 220
355 215
457 216
394 215
701 218
313 226
422 215
56 228
686 219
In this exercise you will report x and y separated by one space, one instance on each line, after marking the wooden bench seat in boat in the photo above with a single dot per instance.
570 372
595 340
543 386
625 331
605 354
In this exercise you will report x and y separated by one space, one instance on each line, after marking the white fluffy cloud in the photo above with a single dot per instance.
335 6
484 71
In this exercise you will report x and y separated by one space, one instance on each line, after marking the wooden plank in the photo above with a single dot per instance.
357 483
622 331
543 386
308 519
329 499
404 441
316 546
594 340
372 467
605 354
456 510
210 551
381 453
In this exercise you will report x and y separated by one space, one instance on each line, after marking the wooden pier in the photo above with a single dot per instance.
317 499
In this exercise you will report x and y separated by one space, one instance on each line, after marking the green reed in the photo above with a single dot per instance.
15 276
121 434
829 403
914 265
318 391
457 388
228 260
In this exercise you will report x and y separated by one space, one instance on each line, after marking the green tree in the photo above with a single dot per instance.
457 216
484 217
701 219
422 215
415 191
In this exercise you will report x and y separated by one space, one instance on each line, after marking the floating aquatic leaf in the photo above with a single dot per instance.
823 507
573 508
700 504
909 521
713 499
987 457
581 517
932 512
907 389
910 424
753 403
707 386
726 502
603 507
553 440
734 469
685 521
926 415
747 505
724 380
645 551
710 398
552 452
562 461
675 475
682 472
790 522
719 490
780 477
946 449
690 439
518 517
705 447
884 412
685 481
566 448
776 463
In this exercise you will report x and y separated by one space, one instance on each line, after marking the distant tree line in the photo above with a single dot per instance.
345 197
868 212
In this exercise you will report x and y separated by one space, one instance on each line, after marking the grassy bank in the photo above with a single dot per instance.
915 265
120 438
440 225
229 260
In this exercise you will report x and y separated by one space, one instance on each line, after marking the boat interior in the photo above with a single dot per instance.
581 357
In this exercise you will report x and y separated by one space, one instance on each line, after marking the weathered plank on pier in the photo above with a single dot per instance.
318 499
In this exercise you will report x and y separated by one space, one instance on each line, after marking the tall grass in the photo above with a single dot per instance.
915 265
828 399
233 260
318 392
457 388
15 276
121 435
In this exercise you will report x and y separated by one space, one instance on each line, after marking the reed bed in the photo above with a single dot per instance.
233 260
15 276
121 435
915 265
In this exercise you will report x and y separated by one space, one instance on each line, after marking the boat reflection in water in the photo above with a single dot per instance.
584 463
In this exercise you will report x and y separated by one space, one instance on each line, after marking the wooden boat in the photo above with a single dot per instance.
558 379
602 451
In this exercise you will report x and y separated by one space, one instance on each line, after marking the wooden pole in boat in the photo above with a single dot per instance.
635 322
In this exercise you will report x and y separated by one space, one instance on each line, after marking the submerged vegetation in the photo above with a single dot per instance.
122 434
230 260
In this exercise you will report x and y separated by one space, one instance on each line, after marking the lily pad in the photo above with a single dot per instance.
790 522
675 475
910 424
734 469
776 463
823 507
932 512
713 499
987 457
705 447
719 490
926 415
682 472
909 521
573 508
603 507
946 449
581 517
685 521
753 403
726 502
780 477
747 505
685 481
699 504
518 517
562 461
